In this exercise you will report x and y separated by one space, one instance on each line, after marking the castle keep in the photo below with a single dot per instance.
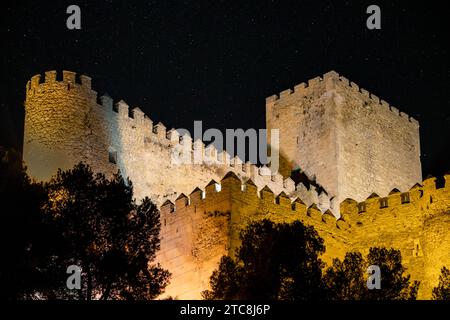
360 150
352 143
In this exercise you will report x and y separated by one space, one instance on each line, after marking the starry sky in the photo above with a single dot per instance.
216 61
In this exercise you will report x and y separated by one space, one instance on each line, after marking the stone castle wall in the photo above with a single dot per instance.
350 141
65 123
208 226
58 127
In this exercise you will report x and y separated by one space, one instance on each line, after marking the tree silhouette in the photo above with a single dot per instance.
24 237
104 232
76 219
225 281
442 291
275 261
347 279
281 262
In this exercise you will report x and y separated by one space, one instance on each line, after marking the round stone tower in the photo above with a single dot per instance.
58 130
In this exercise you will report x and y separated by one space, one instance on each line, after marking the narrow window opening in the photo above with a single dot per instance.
113 157
383 203
405 197
361 207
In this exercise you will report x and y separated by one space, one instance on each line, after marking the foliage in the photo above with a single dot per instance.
275 261
281 262
77 218
347 279
24 237
105 233
442 291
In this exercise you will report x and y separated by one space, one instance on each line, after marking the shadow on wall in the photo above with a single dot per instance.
285 166
291 170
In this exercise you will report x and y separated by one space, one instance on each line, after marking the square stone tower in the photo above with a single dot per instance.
345 138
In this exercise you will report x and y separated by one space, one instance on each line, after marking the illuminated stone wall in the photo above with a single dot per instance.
59 130
350 141
209 227
65 123
321 131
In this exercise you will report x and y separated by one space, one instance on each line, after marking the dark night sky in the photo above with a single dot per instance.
216 61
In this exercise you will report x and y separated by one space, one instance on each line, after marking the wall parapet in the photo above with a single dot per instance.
333 76
234 186
53 77
352 212
424 196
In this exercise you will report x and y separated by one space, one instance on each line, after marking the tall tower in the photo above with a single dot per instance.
346 139
59 128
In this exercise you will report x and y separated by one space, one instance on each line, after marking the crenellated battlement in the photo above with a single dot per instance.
305 87
69 81
130 130
329 81
137 127
66 79
327 128
128 123
427 197
260 177
227 206
352 211
246 191
135 118
370 98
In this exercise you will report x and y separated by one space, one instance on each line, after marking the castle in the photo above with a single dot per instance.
352 144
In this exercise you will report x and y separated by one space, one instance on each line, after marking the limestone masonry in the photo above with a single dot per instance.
348 141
